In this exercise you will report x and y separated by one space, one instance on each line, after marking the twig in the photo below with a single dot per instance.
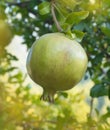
54 17
91 107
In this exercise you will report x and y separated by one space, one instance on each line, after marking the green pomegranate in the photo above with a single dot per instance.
5 34
57 63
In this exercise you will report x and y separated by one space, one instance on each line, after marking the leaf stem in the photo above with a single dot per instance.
54 17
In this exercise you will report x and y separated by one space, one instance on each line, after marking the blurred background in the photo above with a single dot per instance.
86 106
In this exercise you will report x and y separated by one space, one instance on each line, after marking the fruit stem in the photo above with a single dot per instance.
54 17
47 97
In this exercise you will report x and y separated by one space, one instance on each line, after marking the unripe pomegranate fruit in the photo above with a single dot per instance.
57 63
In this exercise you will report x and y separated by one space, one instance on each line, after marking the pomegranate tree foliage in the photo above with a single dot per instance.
19 109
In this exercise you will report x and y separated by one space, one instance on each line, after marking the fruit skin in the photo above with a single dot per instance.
5 34
56 62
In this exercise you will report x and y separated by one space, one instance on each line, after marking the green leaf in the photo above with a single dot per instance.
11 69
98 58
107 114
76 17
66 27
11 57
70 35
63 94
80 26
65 6
59 11
97 112
108 73
44 8
74 35
98 90
2 71
108 109
106 29
16 78
78 35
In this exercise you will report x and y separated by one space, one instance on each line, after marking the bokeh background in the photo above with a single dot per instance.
86 106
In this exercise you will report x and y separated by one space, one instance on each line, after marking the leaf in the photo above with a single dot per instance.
108 73
16 78
70 35
64 6
98 58
11 69
106 29
2 71
107 2
76 17
28 87
98 90
60 17
11 57
59 11
63 94
67 5
80 26
108 109
107 114
97 112
66 27
78 35
74 35
44 8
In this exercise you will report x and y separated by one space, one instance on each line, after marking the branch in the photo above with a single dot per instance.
54 17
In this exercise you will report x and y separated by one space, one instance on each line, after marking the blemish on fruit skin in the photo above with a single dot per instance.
67 55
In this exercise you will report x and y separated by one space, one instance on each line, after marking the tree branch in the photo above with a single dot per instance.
54 17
